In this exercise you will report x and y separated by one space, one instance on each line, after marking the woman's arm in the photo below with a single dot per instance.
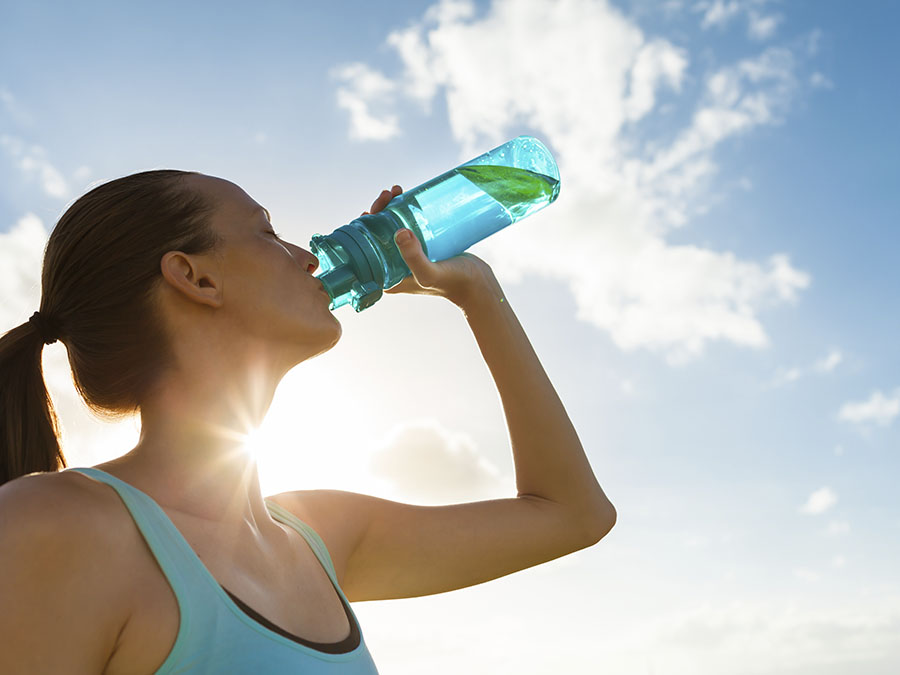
384 549
549 459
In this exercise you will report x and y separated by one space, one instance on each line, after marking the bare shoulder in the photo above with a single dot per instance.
50 490
69 506
61 548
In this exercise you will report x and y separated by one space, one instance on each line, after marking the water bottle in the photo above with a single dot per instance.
448 214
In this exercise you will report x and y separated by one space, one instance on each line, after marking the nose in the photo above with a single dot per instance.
306 259
312 262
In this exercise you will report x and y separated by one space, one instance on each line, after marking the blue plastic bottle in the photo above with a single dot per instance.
448 214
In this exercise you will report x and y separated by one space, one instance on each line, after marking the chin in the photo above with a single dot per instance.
334 335
339 331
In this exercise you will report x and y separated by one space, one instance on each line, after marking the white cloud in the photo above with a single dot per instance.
762 27
830 362
423 461
33 162
362 88
14 109
819 502
820 81
657 63
578 73
718 14
786 375
878 409
823 366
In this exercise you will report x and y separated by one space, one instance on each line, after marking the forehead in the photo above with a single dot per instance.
230 201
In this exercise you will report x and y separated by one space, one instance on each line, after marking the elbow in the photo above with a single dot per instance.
602 521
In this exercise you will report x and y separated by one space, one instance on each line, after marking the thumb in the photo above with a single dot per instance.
413 255
407 243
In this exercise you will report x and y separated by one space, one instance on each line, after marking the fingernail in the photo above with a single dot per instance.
403 236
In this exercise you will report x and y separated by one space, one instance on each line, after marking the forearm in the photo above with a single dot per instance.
549 459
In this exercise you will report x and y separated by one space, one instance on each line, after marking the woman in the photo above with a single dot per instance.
176 299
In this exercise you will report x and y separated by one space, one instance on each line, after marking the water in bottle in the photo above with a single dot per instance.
448 214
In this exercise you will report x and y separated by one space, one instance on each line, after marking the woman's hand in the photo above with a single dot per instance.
460 279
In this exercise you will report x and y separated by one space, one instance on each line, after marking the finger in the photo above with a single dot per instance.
423 270
396 190
382 201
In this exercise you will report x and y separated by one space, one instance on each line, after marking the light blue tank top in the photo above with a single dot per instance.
215 635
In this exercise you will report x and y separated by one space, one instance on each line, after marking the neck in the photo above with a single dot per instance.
191 454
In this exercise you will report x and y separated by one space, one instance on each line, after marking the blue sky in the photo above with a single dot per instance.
713 294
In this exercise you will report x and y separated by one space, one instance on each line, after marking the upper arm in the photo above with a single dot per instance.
57 613
384 549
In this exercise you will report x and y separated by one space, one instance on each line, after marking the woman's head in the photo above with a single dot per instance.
100 277
253 299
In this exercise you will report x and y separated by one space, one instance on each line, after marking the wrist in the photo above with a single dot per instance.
480 296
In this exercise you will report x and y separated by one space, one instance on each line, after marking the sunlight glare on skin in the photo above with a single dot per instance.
254 444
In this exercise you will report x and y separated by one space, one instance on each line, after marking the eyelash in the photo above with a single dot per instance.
276 234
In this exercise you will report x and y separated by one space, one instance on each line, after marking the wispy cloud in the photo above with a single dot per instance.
424 461
590 75
830 362
361 90
877 409
761 26
719 13
33 163
820 81
14 109
819 502
823 366
30 159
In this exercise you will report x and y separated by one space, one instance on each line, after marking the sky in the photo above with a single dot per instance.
712 294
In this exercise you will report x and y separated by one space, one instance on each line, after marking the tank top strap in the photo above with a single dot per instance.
177 560
308 533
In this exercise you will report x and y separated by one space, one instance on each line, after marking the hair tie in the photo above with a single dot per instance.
47 328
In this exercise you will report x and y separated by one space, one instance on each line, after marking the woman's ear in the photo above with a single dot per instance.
196 278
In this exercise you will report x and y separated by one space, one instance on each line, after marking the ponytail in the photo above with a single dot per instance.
99 284
29 428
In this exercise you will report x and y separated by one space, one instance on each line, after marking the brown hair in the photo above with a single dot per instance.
101 268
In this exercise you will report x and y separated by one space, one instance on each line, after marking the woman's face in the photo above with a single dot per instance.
269 290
